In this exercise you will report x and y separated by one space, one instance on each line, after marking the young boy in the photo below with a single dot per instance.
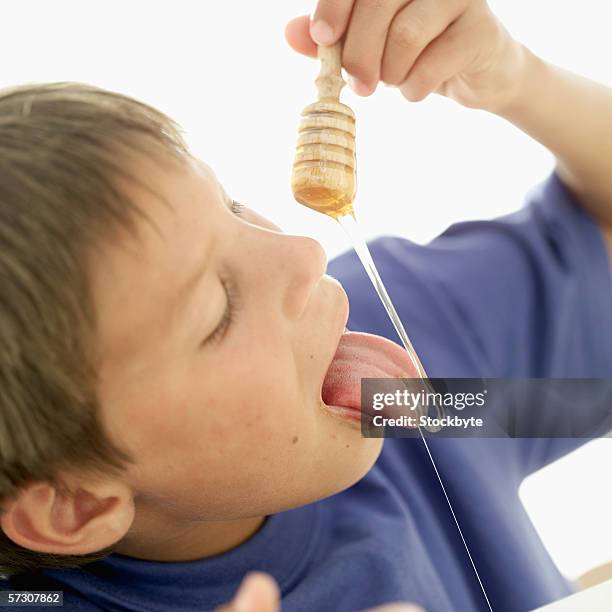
164 350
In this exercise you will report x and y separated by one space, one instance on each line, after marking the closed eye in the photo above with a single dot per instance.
230 295
229 313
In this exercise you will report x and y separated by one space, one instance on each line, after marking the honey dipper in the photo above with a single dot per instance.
324 176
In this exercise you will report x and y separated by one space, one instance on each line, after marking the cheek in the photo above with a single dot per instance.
256 397
218 406
260 402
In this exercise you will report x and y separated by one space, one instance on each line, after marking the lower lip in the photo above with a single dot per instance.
348 414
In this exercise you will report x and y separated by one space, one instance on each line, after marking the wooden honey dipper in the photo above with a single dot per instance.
324 176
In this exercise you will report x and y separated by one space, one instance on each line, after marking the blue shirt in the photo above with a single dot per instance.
525 295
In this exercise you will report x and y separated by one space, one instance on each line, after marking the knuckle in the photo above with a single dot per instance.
406 34
375 5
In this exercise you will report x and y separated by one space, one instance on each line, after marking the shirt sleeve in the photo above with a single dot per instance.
527 295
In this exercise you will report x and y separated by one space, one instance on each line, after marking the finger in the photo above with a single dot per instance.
411 30
297 34
257 593
329 20
445 57
364 42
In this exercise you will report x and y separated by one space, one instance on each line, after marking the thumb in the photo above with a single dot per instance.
297 34
257 593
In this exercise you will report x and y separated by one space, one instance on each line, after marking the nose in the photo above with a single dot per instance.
301 263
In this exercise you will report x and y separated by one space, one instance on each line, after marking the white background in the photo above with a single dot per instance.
224 72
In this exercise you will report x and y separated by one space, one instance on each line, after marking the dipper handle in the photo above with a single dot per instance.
330 81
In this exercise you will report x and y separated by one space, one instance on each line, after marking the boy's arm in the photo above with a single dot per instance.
572 117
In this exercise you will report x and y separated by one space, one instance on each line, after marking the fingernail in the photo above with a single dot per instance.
359 87
321 32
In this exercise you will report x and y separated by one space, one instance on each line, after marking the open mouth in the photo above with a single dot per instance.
349 409
361 355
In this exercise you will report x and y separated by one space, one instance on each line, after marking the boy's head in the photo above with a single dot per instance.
162 350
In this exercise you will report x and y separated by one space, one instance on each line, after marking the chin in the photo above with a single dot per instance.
375 446
360 462
362 456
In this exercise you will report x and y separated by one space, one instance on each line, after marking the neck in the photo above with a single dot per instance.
157 537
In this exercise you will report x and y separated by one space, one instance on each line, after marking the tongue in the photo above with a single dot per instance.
358 356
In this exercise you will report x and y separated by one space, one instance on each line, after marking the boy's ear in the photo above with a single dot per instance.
43 519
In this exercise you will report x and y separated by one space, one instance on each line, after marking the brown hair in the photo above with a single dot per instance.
62 148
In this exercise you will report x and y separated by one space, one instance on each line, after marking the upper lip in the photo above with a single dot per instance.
341 329
343 319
